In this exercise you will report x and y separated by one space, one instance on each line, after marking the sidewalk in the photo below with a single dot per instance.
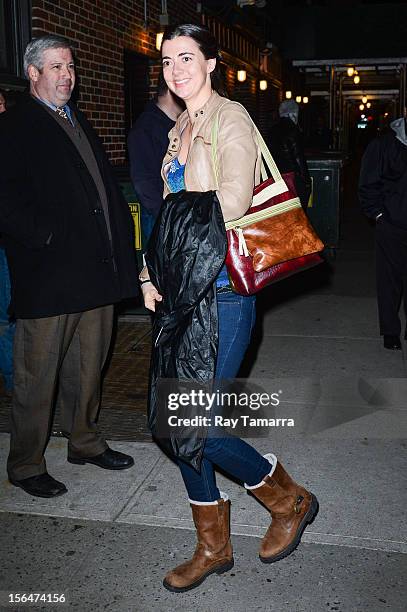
110 540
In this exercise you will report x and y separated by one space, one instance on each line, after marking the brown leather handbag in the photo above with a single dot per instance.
274 239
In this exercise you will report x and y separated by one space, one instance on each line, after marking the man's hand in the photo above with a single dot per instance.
150 295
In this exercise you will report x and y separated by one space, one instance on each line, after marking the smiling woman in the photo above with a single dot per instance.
190 44
194 302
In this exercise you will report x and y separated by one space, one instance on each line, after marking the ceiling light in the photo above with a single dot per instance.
158 40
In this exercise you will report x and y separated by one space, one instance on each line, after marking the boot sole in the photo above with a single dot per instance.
307 520
216 570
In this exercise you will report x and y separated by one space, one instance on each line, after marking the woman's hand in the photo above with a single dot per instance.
150 295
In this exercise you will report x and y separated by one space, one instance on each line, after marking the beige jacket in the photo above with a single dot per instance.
238 155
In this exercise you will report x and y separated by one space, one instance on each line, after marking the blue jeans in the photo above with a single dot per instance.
7 329
236 316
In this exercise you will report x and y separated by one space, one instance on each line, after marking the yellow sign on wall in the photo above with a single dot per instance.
136 214
311 196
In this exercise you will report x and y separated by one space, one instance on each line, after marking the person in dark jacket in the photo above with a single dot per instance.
69 243
286 147
147 144
383 197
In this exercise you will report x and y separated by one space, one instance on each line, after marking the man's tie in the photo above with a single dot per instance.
61 112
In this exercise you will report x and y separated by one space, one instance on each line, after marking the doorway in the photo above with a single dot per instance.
136 86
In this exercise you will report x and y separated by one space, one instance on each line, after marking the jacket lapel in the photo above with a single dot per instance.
40 114
95 146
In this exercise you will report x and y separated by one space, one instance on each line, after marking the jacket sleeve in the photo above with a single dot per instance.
237 153
145 170
370 183
20 216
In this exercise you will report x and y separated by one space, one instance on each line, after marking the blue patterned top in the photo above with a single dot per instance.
175 176
176 182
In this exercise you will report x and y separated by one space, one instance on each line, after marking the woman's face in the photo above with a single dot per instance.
186 71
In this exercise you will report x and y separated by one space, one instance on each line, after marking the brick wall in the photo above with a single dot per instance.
100 31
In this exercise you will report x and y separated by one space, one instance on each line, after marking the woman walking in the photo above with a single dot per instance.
189 56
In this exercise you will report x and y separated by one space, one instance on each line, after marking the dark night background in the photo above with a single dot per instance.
319 29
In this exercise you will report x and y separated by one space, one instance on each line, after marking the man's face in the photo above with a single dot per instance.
2 104
55 82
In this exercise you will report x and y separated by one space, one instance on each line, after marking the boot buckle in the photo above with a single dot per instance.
297 504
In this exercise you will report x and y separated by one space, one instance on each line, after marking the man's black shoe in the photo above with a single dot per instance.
40 486
392 343
109 460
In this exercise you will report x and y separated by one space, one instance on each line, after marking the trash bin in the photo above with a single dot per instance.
325 201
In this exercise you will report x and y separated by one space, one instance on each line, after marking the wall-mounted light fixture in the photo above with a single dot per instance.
368 105
158 40
364 99
305 99
350 71
288 94
241 75
263 85
361 106
356 79
298 99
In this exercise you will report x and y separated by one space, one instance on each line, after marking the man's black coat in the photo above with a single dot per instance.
52 220
383 179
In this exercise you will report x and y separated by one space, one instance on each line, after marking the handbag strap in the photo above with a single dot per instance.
267 161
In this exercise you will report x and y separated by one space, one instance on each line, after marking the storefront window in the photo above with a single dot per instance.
15 22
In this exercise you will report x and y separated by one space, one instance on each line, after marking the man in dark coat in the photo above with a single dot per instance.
383 197
68 238
286 147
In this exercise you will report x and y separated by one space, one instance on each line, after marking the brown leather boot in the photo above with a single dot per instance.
292 508
213 552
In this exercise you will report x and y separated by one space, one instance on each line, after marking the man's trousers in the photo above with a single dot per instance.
57 359
391 275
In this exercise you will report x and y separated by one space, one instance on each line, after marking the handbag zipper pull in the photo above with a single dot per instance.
243 250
